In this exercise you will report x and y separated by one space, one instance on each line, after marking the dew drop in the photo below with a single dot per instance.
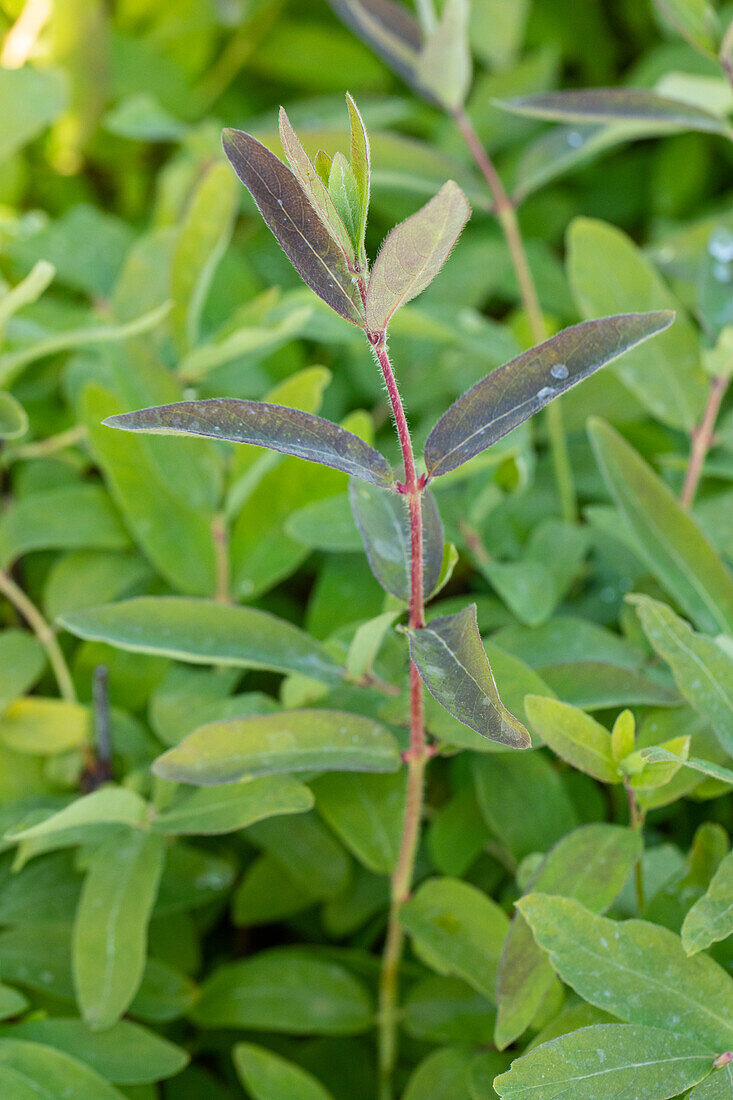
546 392
574 139
720 245
722 272
559 371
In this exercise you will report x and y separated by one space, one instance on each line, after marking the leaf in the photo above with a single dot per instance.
512 393
718 1086
203 632
366 812
413 254
366 643
22 661
669 542
111 927
13 417
301 234
442 1075
294 741
276 427
27 291
383 521
44 726
39 521
457 930
711 917
389 28
444 66
40 1071
107 806
607 1061
165 994
126 1053
226 809
267 1076
574 736
702 669
446 1010
636 970
361 167
203 237
311 856
454 667
590 864
610 105
695 20
666 374
285 989
30 99
345 195
657 754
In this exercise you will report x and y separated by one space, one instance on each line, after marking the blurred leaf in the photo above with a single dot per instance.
457 930
617 105
668 540
44 726
388 27
205 632
294 741
413 254
366 812
39 521
273 426
27 291
22 660
606 1061
288 213
711 917
267 1076
285 990
444 1010
514 392
31 99
442 1075
107 806
452 662
13 417
227 809
444 66
695 20
37 1070
310 855
111 926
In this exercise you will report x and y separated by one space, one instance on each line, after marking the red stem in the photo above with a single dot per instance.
702 440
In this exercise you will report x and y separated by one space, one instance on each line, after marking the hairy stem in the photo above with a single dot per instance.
416 756
45 634
702 440
220 536
507 217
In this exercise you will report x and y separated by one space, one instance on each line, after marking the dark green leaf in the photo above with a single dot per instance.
514 392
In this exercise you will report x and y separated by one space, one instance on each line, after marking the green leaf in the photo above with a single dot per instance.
107 806
366 643
287 211
12 1003
111 927
22 660
202 239
590 864
669 542
616 105
718 1086
293 741
442 1075
711 917
388 27
455 669
413 254
383 520
30 99
636 970
39 521
695 20
310 855
205 633
512 393
13 417
125 1054
457 930
276 427
345 195
27 291
665 374
285 989
702 669
657 754
267 1076
361 167
226 809
41 1071
165 994
444 66
574 736
366 812
447 1010
607 1061
44 726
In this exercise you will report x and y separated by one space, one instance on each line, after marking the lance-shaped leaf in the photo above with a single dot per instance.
711 917
314 187
290 431
444 66
695 20
666 538
605 1062
414 253
269 744
360 166
512 393
591 105
205 633
658 754
384 524
285 207
389 28
452 662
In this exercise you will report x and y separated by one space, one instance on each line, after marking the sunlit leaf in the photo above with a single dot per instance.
302 235
574 736
276 427
510 395
37 1070
452 662
413 254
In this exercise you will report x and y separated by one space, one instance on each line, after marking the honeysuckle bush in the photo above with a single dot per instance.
365 735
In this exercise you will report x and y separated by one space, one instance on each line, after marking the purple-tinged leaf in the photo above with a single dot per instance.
512 393
384 525
591 105
316 190
276 427
452 662
414 253
389 29
286 209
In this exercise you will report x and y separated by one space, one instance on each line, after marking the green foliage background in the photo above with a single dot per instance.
153 945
